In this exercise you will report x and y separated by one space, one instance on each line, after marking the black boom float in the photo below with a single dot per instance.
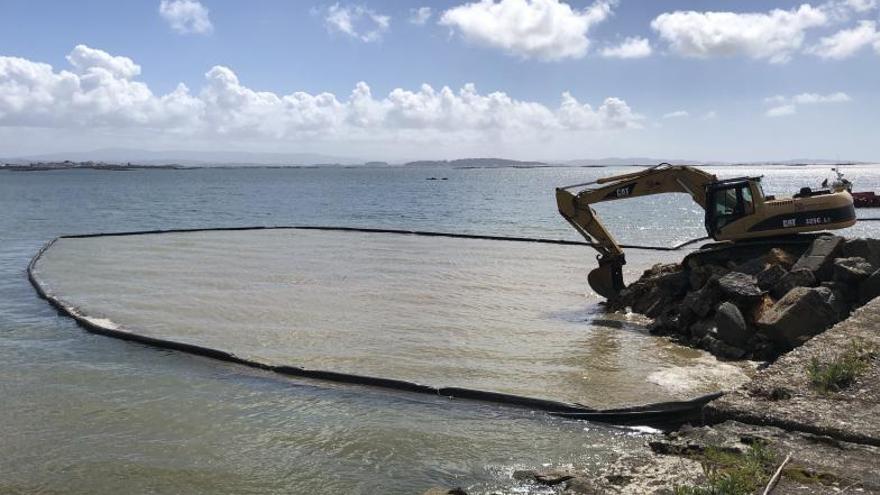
664 415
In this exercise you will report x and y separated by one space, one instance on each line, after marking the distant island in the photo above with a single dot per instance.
67 165
34 164
479 163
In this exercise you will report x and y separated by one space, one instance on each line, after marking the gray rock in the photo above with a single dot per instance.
851 270
870 288
732 327
553 477
802 313
699 275
649 299
445 491
819 257
658 288
799 277
869 249
702 328
739 287
703 301
839 297
721 349
665 324
580 486
781 257
524 475
750 267
770 276
674 283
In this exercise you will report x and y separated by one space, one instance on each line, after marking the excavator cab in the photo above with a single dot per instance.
730 200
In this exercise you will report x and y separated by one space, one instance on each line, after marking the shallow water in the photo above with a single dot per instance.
492 315
88 414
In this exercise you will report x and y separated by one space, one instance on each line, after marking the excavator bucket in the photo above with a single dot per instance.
607 280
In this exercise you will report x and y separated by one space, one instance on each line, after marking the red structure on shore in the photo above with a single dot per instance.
866 199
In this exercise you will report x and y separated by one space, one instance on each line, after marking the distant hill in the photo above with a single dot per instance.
191 158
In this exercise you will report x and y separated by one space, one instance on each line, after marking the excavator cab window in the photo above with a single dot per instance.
727 203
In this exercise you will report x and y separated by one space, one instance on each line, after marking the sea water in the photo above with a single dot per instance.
84 413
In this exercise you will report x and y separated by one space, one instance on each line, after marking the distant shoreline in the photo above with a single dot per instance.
463 164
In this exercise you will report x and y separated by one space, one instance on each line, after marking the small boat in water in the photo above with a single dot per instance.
866 199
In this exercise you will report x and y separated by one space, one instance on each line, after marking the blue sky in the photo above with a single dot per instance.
747 81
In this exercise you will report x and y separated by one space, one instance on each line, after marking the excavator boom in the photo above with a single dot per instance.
574 205
736 210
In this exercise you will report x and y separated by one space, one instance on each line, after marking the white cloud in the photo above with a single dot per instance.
810 98
85 59
630 48
101 93
420 15
710 115
542 29
776 99
357 22
843 10
781 110
772 36
676 114
862 5
784 105
186 16
847 42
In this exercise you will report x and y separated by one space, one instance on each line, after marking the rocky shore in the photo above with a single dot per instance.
760 301
808 423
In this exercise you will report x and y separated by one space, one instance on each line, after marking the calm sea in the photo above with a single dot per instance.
89 414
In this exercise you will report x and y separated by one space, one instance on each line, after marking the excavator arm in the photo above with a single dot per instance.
574 205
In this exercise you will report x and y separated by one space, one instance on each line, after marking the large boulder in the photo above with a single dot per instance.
797 277
770 276
802 313
779 257
700 303
655 290
752 266
869 249
739 287
759 309
820 256
720 348
870 288
665 323
699 275
851 270
840 297
700 329
732 327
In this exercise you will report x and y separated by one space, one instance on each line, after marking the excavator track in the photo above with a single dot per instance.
717 252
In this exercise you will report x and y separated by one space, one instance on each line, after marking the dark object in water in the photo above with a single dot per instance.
866 199
662 415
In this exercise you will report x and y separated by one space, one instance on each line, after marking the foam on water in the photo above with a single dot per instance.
704 370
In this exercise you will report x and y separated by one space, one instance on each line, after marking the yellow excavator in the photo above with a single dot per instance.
736 210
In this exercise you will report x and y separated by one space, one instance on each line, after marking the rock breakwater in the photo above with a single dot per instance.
757 301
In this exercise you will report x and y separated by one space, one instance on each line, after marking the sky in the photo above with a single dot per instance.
403 80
